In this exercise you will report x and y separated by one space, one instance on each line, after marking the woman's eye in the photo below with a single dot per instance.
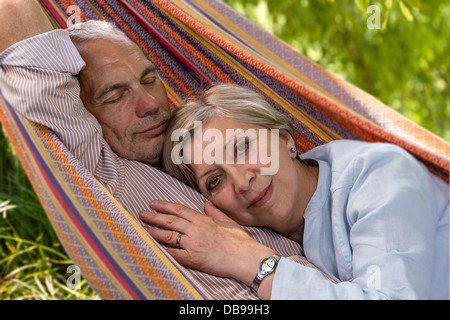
242 147
212 183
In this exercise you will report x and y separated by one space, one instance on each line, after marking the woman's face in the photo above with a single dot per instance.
249 192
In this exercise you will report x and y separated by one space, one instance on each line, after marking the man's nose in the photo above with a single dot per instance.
146 103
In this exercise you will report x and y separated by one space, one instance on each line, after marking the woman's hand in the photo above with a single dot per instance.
212 243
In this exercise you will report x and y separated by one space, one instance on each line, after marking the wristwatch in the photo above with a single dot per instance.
267 266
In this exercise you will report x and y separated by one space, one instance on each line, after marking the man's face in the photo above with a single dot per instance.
120 87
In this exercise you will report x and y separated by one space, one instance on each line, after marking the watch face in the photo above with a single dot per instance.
268 265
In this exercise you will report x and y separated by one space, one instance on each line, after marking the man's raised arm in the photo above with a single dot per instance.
21 19
38 68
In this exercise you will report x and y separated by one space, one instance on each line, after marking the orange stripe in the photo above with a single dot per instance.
126 243
144 46
210 65
368 129
26 164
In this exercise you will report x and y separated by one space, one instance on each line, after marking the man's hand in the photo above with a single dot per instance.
21 19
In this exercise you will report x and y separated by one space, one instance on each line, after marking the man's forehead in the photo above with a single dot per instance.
97 53
103 58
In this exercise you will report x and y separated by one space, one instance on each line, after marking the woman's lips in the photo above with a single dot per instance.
263 197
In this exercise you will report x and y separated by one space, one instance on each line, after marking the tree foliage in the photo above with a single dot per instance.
404 63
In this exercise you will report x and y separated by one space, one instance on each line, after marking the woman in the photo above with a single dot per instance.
369 215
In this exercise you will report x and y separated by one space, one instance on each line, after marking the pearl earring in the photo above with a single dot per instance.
293 150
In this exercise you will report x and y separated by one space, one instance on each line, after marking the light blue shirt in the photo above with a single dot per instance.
378 223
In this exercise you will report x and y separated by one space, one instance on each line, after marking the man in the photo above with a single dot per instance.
117 127
120 87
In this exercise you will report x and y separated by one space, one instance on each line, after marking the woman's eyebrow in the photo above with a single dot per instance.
227 144
207 172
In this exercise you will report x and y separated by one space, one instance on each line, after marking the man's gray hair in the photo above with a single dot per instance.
92 30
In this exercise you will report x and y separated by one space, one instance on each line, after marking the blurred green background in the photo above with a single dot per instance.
405 64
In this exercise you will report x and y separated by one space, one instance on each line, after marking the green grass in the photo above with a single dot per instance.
33 264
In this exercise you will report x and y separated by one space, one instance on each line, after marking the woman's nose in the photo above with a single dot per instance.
242 178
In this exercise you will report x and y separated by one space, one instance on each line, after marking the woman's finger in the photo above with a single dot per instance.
215 213
178 253
166 237
165 221
175 209
181 256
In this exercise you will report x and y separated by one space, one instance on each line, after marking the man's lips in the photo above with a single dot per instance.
154 129
263 197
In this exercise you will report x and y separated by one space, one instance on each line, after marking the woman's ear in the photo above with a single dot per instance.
286 141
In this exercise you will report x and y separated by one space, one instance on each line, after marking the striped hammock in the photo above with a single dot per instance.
194 44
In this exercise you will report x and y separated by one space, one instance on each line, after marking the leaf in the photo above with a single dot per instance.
384 19
415 4
362 4
388 4
5 206
406 12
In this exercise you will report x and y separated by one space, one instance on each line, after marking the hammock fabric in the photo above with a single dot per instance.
194 44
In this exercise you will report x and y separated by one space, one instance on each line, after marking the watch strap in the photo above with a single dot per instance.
259 276
256 283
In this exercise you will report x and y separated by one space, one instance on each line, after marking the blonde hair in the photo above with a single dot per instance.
223 100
